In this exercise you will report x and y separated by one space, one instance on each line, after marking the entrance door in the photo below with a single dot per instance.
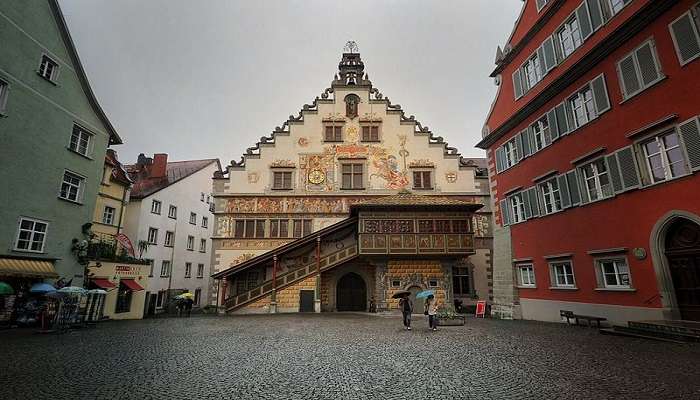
418 304
683 252
351 293
306 301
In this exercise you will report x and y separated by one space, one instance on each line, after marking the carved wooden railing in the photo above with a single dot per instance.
328 261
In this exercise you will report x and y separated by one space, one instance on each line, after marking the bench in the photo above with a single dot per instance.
569 315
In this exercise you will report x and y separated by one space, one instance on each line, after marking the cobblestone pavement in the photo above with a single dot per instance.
342 356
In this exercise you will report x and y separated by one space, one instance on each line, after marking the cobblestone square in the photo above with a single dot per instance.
342 356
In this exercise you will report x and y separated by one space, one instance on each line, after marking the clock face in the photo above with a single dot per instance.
317 177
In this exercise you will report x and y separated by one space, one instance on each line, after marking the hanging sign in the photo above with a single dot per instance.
481 309
124 241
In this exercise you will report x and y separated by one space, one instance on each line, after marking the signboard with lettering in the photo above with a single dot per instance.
127 270
481 309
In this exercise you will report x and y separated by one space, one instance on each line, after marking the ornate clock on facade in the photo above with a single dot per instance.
316 176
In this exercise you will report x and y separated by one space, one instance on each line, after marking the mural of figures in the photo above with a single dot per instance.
270 205
239 205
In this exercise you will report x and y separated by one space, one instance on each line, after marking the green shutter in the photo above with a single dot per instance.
562 125
582 185
552 122
550 57
628 76
527 142
499 159
574 191
600 94
628 168
526 204
584 21
647 64
685 38
517 84
505 213
596 13
690 133
518 147
614 173
564 191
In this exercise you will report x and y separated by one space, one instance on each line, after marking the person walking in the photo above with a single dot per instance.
406 306
188 306
431 308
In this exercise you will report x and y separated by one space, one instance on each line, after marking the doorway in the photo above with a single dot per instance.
418 304
682 248
351 293
306 301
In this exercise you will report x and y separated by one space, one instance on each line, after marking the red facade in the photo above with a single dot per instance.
627 166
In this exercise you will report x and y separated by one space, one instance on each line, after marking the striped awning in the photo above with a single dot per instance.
27 268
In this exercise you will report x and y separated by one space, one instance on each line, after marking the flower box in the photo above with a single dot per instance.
452 321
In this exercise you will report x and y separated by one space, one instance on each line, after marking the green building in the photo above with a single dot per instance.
54 138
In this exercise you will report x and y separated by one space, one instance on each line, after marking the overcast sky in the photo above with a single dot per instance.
202 79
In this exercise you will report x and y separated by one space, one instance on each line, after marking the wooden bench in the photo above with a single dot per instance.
569 315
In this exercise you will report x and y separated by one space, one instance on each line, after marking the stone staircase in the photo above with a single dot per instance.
668 331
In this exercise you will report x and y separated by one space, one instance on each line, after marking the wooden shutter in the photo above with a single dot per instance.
628 76
600 94
553 126
527 142
540 57
564 191
549 57
614 172
505 213
595 13
628 168
569 115
518 147
517 84
685 38
499 159
584 21
690 133
648 68
562 125
557 48
582 185
526 204
574 191
531 194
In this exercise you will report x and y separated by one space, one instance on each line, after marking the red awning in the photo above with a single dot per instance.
103 283
131 284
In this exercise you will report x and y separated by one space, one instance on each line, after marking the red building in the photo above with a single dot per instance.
594 156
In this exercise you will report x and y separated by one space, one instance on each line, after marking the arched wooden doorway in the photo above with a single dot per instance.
351 293
682 248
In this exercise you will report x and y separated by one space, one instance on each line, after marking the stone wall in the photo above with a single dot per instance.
288 298
415 273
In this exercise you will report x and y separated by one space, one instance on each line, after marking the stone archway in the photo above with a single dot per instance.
682 250
351 293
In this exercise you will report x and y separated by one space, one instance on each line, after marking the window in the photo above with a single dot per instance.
203 245
664 157
160 298
155 207
569 37
279 228
169 239
197 296
395 283
200 270
551 196
48 69
152 236
249 228
461 282
4 93
202 197
188 270
80 140
165 269
541 135
532 71
639 70
71 187
205 222
518 207
433 283
190 242
108 215
211 207
172 212
541 4
617 5
370 133
510 151
302 227
526 275
334 133
562 274
282 180
422 180
193 218
123 299
614 273
596 180
582 106
208 199
685 31
31 235
151 264
352 176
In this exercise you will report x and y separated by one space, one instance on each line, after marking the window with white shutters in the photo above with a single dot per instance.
540 134
663 157
596 180
569 37
510 152
686 35
517 206
532 72
551 197
582 107
639 69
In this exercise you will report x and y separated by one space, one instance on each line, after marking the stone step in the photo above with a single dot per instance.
690 328
618 332
650 334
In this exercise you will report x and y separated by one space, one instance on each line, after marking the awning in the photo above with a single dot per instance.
103 283
27 267
131 284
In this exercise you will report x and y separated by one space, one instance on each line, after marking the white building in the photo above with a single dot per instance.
169 220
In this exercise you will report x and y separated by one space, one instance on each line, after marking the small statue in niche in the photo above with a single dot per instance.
352 102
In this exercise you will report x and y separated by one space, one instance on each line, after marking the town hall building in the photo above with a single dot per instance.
347 203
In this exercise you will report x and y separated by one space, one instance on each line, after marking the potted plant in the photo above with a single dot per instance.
447 316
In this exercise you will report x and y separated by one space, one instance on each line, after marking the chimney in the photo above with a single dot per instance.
160 162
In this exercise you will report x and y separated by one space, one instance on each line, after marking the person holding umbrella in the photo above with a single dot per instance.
406 306
430 307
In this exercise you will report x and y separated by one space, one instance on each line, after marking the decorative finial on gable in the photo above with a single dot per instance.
351 47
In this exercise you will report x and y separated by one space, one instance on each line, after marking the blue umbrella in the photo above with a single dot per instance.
72 289
42 288
425 293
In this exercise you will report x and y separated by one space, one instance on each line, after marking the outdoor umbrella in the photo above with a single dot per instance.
96 291
6 288
42 288
425 293
184 295
401 293
72 290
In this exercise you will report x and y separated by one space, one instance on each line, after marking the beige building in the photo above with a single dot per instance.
350 147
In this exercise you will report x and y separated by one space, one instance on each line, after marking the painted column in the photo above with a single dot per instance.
380 285
273 296
317 300
447 284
